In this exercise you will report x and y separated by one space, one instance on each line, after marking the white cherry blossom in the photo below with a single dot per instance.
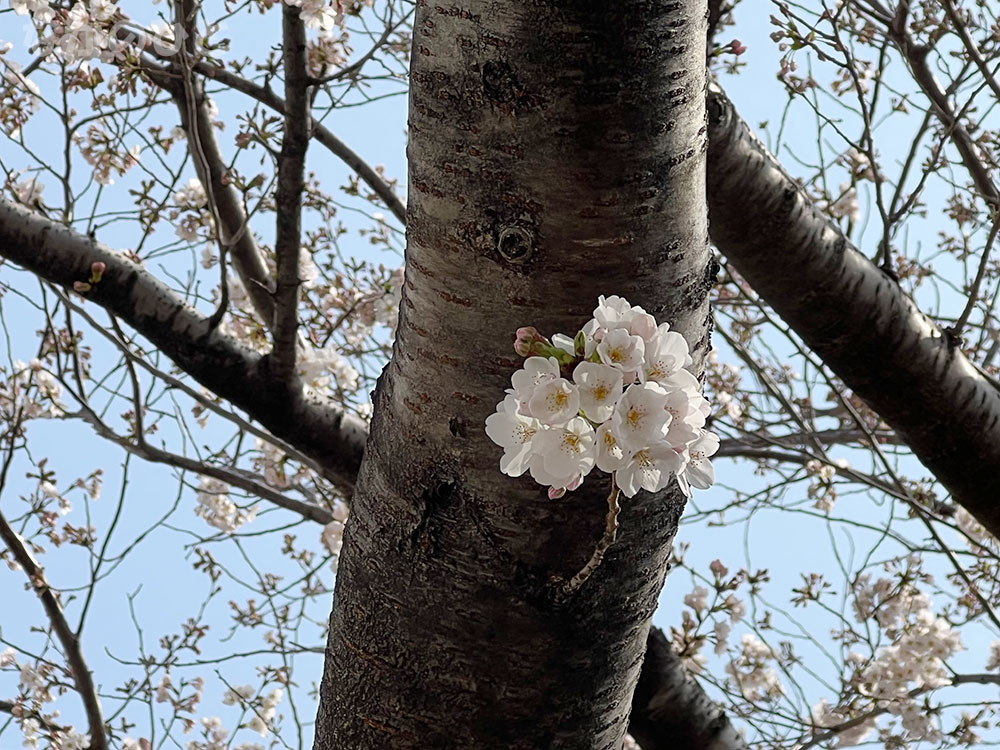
621 349
536 370
600 387
514 432
554 402
648 469
613 312
610 454
666 353
640 418
562 454
699 472
645 433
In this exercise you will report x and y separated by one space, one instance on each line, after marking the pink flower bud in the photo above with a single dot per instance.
737 47
81 286
97 268
527 341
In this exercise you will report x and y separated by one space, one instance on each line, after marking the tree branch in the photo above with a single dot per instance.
69 640
854 316
309 422
288 196
320 132
670 710
232 476
233 229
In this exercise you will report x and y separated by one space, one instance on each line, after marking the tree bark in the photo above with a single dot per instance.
853 315
556 153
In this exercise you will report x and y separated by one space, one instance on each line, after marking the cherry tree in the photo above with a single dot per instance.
201 275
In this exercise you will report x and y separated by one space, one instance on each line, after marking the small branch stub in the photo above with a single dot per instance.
515 244
607 539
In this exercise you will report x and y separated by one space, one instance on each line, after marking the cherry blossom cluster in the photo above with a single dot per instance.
35 683
615 396
19 96
217 509
753 672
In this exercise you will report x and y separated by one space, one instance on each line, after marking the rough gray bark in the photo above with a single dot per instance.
534 187
853 315
670 710
62 256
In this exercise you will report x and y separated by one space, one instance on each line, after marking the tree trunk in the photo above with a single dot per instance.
556 153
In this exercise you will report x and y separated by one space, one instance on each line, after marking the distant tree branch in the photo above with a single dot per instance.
972 157
310 423
320 132
202 400
234 477
853 315
232 228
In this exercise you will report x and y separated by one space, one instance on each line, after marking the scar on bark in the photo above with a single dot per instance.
437 501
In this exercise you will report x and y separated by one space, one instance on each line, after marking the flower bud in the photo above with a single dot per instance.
530 343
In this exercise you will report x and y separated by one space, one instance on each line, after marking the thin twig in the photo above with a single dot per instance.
320 132
956 330
78 669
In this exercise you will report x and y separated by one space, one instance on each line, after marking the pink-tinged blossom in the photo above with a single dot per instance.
218 510
721 630
752 670
697 599
527 341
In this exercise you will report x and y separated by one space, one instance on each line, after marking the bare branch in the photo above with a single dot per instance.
972 158
309 422
320 132
232 476
233 230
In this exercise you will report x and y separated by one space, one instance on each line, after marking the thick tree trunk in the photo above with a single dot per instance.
854 316
556 153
